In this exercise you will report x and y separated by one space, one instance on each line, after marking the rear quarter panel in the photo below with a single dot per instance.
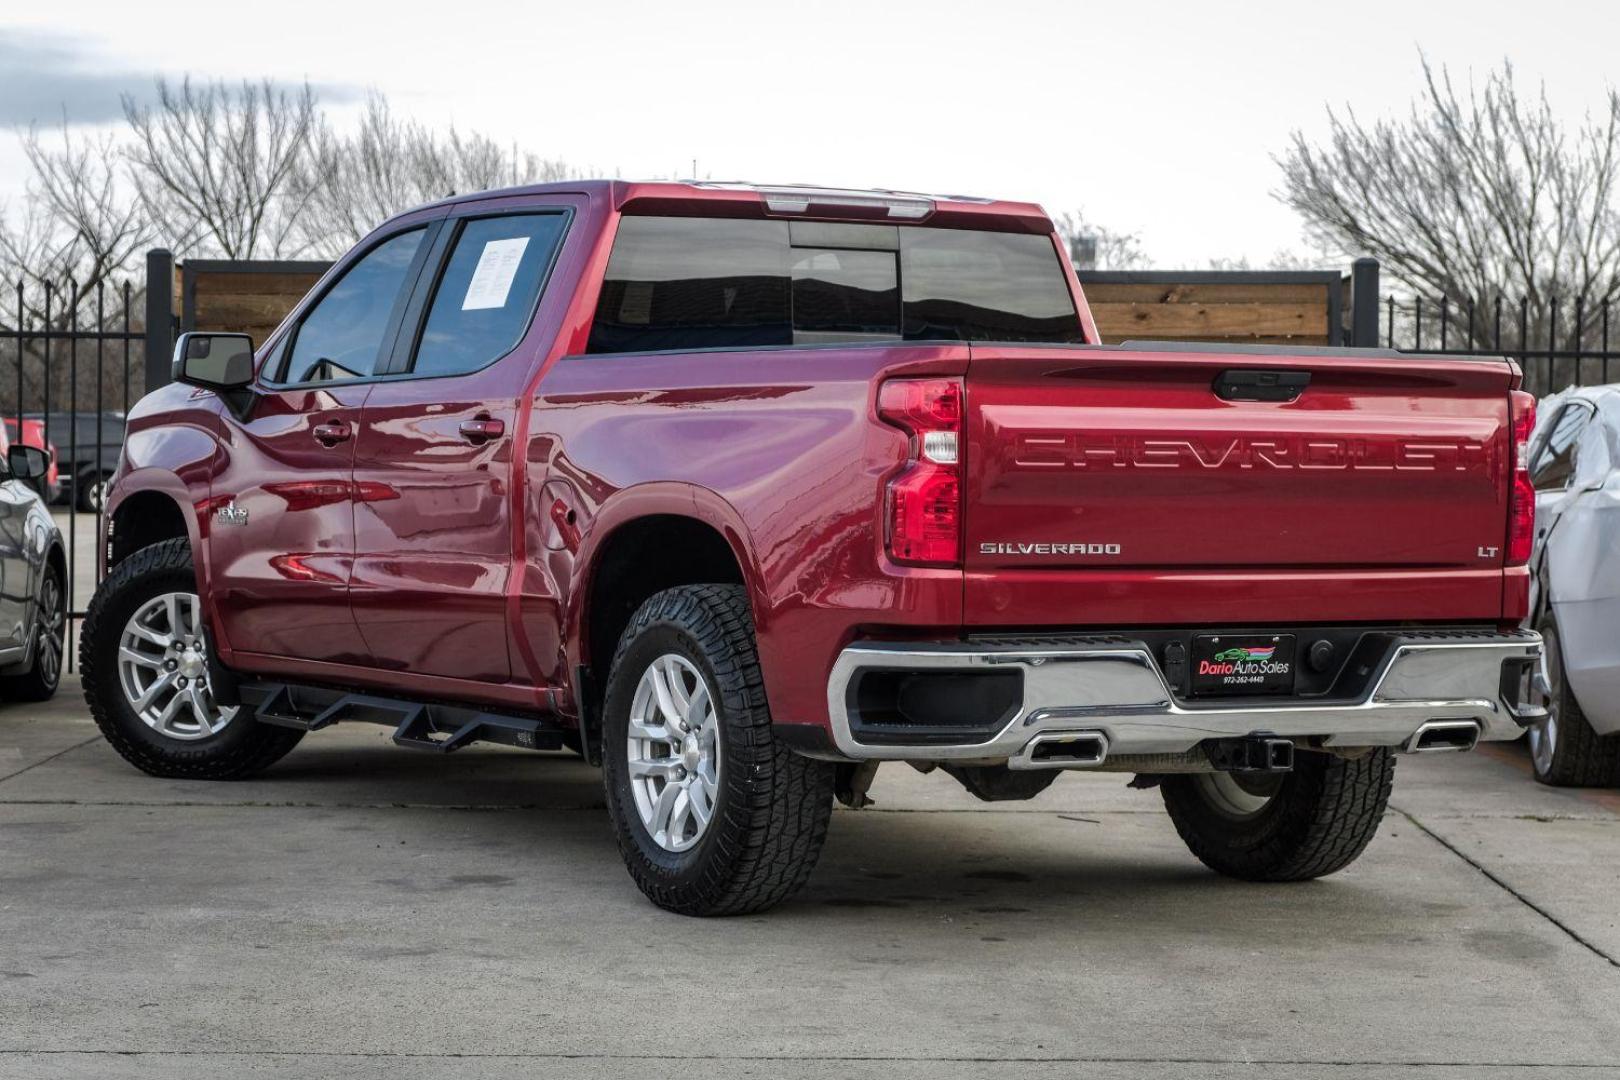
780 450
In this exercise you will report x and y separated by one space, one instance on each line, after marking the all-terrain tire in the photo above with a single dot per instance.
772 806
240 749
1574 755
1319 820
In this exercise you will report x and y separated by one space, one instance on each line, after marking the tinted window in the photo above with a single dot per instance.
486 296
699 283
689 283
1556 461
984 286
844 295
342 336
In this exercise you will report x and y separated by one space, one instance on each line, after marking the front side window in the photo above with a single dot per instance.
704 283
486 296
342 336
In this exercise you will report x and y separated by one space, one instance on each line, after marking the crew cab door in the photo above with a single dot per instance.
281 534
434 472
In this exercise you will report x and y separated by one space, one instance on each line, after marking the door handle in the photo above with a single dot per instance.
331 434
482 430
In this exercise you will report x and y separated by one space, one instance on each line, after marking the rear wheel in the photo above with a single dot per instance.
144 659
90 492
1289 826
713 815
1564 750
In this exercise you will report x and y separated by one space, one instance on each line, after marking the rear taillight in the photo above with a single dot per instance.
924 502
1521 493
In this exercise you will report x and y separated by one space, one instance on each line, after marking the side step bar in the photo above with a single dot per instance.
417 725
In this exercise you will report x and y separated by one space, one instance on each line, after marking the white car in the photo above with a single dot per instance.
1575 591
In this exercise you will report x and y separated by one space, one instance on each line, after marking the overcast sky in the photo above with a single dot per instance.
1159 118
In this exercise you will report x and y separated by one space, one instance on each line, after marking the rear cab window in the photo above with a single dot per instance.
682 283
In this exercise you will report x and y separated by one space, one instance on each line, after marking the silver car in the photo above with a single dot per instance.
1575 590
33 582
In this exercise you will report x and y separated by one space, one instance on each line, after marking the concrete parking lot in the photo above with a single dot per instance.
362 910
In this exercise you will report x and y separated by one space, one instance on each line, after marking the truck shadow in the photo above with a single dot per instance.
917 874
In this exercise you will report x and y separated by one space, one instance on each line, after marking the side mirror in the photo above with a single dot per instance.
27 462
219 362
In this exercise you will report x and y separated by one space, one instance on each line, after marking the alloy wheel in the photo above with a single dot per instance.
1546 691
673 753
163 669
50 628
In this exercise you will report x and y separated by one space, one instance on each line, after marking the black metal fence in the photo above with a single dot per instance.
1558 342
72 361
68 352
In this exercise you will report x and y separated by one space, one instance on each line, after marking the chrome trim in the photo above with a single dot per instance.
1414 745
1116 688
1025 758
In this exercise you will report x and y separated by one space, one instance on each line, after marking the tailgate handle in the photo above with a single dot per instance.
1264 385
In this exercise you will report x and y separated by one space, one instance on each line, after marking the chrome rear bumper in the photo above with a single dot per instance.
1115 688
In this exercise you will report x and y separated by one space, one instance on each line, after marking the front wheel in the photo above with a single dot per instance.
144 658
1292 826
1564 750
712 815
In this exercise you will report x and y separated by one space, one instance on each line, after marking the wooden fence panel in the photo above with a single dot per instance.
1294 308
248 297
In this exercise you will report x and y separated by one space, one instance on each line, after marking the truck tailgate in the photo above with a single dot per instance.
1099 468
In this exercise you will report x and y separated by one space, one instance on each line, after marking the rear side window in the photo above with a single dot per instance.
700 283
487 293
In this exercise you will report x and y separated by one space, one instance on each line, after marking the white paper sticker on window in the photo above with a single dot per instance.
492 280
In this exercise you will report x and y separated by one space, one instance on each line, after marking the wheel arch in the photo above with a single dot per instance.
149 507
647 539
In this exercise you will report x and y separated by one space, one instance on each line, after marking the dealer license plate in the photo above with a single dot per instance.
1243 664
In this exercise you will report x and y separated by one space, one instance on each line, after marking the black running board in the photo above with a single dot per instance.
417 725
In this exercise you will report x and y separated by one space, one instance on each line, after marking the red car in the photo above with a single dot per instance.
741 491
50 485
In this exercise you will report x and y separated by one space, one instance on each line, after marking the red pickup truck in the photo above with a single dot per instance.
741 491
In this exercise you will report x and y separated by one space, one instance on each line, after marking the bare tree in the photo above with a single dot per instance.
56 279
1093 247
349 183
214 165
1476 195
94 227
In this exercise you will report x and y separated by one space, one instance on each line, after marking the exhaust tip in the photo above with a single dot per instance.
1444 736
1062 750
